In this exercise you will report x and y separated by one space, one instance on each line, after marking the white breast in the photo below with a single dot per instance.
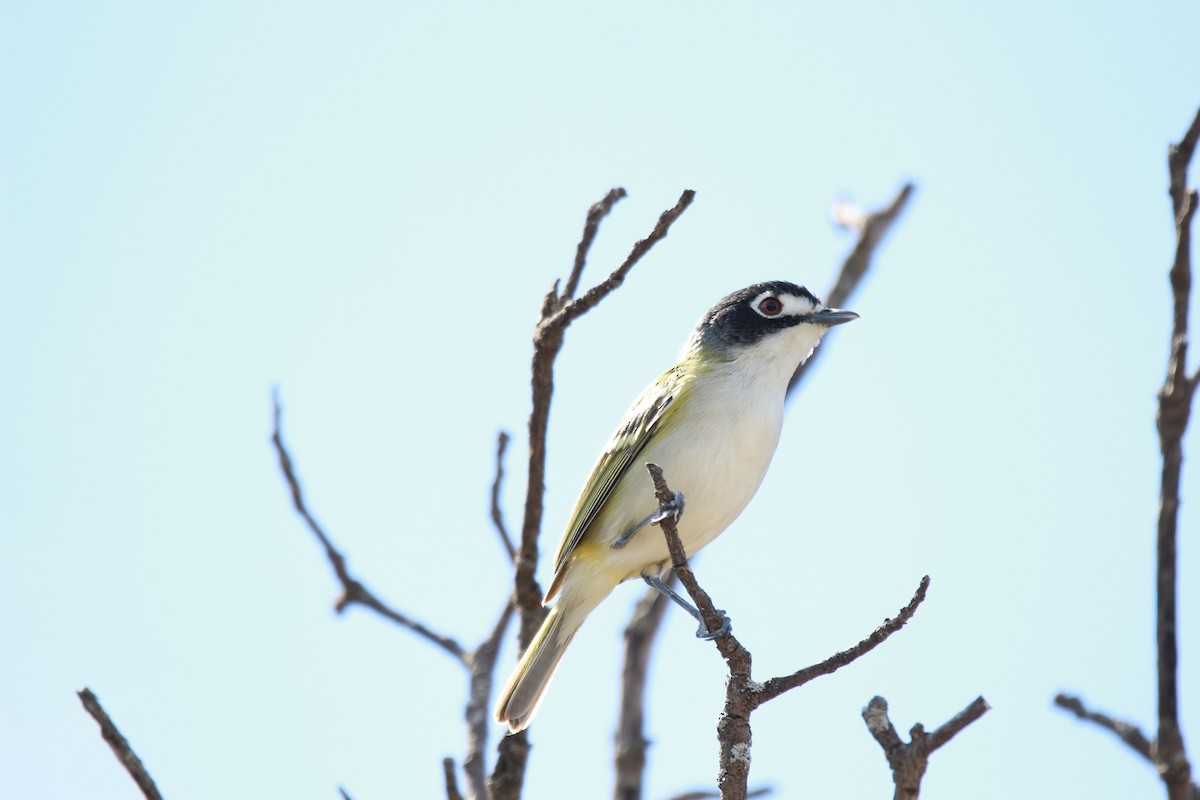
718 460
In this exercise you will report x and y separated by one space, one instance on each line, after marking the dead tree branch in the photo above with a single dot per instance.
909 760
640 635
1174 409
353 591
591 226
742 694
479 663
452 792
871 228
1167 751
557 313
497 513
120 745
1127 732
777 686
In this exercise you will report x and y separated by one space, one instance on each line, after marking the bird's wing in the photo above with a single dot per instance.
631 437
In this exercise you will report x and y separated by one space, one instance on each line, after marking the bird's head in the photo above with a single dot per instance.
776 323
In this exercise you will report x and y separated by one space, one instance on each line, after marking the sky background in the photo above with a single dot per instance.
363 204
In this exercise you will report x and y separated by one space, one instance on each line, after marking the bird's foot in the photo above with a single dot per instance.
674 507
726 626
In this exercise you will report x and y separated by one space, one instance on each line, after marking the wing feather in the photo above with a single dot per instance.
631 437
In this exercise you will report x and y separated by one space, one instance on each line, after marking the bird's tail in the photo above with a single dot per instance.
521 697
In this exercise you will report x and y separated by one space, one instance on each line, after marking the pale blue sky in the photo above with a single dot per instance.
364 203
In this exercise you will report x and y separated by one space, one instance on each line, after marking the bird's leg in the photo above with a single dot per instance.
674 507
702 632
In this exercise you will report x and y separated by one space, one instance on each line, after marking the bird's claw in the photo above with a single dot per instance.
726 626
674 507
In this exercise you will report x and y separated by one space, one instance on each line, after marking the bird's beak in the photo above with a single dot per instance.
832 316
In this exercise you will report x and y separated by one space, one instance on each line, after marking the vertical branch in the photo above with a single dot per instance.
1167 751
631 742
497 514
452 792
1174 410
481 663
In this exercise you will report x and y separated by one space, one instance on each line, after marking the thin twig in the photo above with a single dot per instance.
120 745
777 686
1127 732
871 229
579 307
452 792
353 592
909 760
497 514
591 226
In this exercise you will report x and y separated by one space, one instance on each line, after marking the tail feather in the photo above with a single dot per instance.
520 699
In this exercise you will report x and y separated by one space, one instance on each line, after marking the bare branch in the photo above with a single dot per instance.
1179 159
1167 751
1127 732
482 665
452 792
631 742
1174 411
119 744
344 794
871 229
909 761
353 592
577 308
742 694
777 686
497 514
591 226
713 619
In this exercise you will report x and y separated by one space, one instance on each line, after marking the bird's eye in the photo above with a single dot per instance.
770 307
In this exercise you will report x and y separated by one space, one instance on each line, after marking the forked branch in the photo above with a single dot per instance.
742 694
909 760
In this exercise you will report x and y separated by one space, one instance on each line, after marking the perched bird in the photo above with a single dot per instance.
711 422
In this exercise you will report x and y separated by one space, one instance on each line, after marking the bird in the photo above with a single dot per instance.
711 423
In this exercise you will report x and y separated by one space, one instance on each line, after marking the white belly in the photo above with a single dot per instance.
718 461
